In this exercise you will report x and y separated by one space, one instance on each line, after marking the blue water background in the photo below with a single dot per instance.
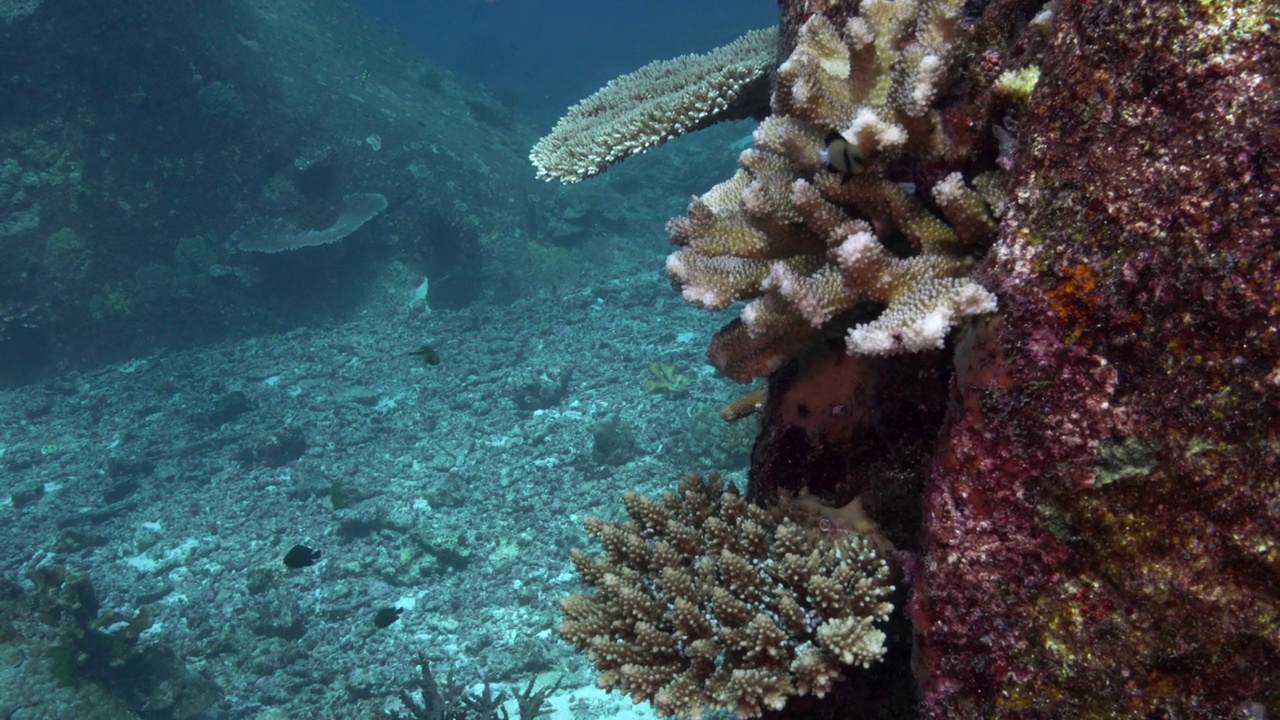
544 55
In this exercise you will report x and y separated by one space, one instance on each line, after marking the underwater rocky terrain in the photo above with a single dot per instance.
313 390
269 279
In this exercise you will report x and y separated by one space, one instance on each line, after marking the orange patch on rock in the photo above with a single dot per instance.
1070 298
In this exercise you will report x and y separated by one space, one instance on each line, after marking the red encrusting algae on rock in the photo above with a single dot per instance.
1101 533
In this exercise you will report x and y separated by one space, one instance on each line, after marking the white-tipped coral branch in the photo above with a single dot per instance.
703 601
664 99
826 221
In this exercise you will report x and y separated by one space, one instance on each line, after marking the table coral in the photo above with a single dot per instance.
660 101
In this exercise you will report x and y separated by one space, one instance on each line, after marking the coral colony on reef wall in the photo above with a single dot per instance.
1010 272
813 244
704 601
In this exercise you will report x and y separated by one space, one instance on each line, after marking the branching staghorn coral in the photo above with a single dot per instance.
704 601
878 249
660 101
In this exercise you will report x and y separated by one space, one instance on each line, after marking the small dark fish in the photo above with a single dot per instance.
428 354
364 79
300 556
386 616
841 155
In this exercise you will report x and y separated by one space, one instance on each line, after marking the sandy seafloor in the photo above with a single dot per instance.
180 480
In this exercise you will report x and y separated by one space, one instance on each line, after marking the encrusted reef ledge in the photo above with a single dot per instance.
1010 272
1100 528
